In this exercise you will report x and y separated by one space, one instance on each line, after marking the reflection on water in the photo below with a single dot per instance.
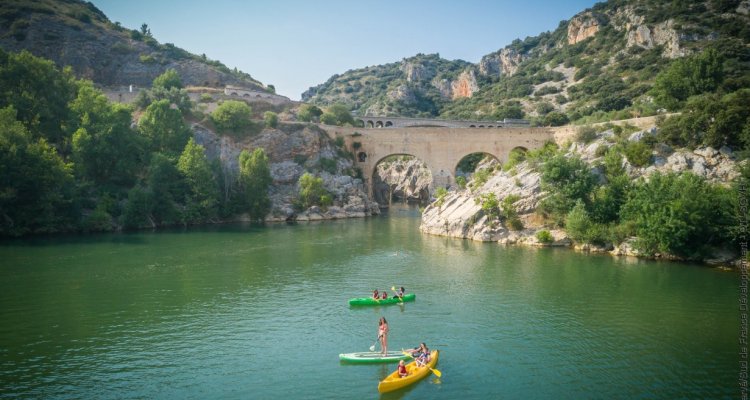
245 311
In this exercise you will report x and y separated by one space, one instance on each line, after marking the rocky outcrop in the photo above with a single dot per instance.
98 50
583 26
292 150
465 85
662 34
503 62
401 179
459 214
415 72
403 93
717 166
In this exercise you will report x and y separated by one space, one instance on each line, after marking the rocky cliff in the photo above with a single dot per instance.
622 44
294 149
401 178
459 214
77 34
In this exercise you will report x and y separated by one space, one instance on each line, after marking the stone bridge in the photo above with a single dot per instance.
398 122
441 149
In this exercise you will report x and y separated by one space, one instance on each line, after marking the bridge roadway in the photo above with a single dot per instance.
439 148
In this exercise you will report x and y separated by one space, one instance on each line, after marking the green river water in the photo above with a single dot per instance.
237 312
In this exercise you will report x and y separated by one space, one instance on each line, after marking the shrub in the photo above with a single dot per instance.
328 164
169 79
309 113
440 194
271 119
586 134
232 115
312 192
206 98
147 59
555 118
461 181
638 153
544 236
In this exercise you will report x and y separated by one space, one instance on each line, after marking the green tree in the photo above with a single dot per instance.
555 118
203 197
232 115
678 214
687 77
312 191
328 119
578 223
254 181
105 149
168 80
35 183
39 92
567 179
164 128
342 113
309 113
165 188
271 119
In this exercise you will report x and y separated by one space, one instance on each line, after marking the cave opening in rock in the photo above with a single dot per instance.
401 178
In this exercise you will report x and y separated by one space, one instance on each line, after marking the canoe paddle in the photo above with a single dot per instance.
434 371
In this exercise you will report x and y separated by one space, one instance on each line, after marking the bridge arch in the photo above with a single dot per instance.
468 163
405 177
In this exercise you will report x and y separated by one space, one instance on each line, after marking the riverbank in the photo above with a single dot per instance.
480 212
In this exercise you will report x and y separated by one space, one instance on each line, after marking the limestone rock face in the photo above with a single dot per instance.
465 85
662 34
582 27
402 179
503 62
444 86
286 147
415 72
403 93
460 215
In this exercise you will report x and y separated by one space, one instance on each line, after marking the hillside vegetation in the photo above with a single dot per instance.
75 33
616 60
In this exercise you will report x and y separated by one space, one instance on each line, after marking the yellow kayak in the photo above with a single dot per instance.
394 382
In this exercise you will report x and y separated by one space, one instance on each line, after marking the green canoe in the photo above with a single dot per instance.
369 301
371 357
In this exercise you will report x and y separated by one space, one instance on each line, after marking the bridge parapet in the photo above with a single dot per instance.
401 122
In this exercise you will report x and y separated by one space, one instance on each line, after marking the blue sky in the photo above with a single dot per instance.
295 44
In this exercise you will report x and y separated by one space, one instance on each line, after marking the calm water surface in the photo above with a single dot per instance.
261 312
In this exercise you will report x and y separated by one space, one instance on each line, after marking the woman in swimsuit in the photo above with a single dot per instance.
383 334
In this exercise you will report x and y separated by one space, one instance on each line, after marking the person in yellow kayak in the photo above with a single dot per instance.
420 350
423 359
402 372
383 334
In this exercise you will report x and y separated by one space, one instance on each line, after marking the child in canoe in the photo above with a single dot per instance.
402 372
399 293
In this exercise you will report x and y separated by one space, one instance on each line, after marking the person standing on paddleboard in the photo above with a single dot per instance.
383 334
